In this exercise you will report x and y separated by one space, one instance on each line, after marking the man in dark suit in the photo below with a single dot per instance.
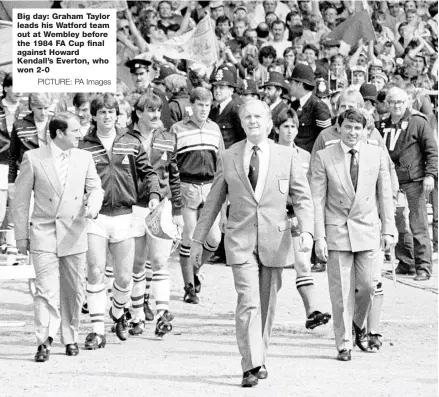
257 177
353 206
57 174
274 87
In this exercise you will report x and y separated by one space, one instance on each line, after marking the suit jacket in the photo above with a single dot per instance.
229 123
251 224
349 220
58 222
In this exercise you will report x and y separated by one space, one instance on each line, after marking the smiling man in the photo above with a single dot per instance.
257 177
352 193
58 174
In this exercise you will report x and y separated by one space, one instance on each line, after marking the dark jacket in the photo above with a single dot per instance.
314 117
163 158
5 139
121 173
179 107
228 122
415 151
24 137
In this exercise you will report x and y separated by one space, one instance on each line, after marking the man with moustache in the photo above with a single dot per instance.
58 174
81 102
257 176
121 162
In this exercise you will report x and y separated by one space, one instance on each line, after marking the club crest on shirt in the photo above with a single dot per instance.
404 125
125 160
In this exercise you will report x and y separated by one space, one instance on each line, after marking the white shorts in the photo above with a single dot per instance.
138 220
114 228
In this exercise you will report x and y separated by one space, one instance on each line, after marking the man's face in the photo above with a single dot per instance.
224 27
83 112
418 63
412 18
41 112
278 31
157 35
165 10
269 5
216 12
272 94
378 82
252 37
105 119
141 77
397 104
351 132
337 66
239 28
240 14
297 48
294 88
12 97
347 102
222 92
287 131
330 15
71 136
310 56
151 117
256 123
394 9
295 20
267 61
201 109
358 78
305 6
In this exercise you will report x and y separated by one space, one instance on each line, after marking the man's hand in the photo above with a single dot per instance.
428 184
153 203
386 242
23 246
196 251
305 242
322 249
178 221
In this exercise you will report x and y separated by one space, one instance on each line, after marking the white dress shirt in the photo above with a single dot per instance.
304 99
57 155
224 103
347 155
264 159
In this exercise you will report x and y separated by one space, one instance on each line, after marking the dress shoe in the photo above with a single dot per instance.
216 260
317 318
405 270
249 379
374 342
344 355
318 268
149 315
360 338
190 295
137 328
422 275
72 349
95 341
121 325
262 373
42 354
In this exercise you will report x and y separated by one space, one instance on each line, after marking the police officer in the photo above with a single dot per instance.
314 115
142 73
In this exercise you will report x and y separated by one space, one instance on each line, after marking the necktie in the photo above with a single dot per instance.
354 168
64 165
253 170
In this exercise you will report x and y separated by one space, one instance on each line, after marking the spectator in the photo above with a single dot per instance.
278 42
179 104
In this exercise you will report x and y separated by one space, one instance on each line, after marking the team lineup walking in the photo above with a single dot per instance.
296 149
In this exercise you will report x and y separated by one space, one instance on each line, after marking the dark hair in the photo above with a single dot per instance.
201 94
381 96
267 51
60 122
146 101
311 47
287 50
104 101
79 99
7 82
222 19
284 115
277 22
292 14
262 30
352 115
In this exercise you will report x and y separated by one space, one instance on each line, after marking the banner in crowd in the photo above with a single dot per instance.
199 45
359 26
6 45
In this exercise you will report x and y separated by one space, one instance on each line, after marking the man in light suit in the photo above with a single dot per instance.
352 192
257 176
57 174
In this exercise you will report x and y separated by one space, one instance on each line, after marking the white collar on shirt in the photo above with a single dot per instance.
224 103
57 151
264 146
304 99
347 148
